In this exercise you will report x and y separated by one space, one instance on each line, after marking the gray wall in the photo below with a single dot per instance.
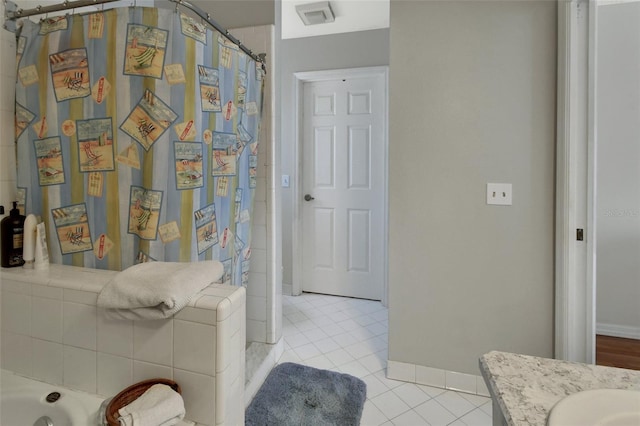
472 100
348 50
618 180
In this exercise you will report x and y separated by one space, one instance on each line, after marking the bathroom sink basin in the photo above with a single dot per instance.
599 407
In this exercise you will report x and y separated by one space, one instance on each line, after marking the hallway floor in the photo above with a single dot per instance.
350 336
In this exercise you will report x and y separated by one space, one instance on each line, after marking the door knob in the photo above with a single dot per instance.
308 197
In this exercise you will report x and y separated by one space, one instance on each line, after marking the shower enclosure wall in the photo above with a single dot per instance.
264 284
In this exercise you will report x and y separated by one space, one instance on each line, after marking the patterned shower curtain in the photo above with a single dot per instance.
136 137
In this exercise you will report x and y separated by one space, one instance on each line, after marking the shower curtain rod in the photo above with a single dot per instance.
12 12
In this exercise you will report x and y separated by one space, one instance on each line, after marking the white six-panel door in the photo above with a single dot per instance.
343 179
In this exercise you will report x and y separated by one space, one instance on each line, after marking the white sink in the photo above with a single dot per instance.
600 407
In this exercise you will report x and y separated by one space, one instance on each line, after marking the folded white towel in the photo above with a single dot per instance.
158 406
156 290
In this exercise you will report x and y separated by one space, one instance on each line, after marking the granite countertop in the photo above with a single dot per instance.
527 387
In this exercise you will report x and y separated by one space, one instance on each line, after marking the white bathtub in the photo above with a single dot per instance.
22 403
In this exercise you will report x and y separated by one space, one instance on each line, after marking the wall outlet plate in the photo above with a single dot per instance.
500 194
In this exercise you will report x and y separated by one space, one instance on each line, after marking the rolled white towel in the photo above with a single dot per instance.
158 406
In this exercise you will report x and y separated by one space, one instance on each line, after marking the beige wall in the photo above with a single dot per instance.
472 100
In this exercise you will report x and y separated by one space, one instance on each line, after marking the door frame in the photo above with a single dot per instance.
300 78
575 277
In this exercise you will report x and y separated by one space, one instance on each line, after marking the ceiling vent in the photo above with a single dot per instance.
315 13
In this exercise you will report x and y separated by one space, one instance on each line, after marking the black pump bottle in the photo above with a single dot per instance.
12 234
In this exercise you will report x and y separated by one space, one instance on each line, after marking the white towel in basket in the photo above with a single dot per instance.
157 290
158 406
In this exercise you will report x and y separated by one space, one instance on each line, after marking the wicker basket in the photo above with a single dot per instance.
130 394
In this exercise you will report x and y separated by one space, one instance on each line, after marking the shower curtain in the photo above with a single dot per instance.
136 138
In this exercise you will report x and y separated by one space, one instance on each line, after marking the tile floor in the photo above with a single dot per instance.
350 335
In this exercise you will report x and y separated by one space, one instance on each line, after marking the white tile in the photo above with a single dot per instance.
477 417
343 339
453 402
80 369
204 316
411 394
46 291
487 408
48 364
256 331
481 387
432 391
7 160
321 362
460 381
401 371
349 325
365 320
153 341
258 256
315 335
259 236
146 370
194 347
296 340
410 418
198 392
430 376
390 404
257 285
115 336
390 383
322 320
46 319
289 356
16 285
476 400
16 353
79 325
307 351
327 345
306 325
256 308
374 386
373 362
359 350
354 368
79 296
377 328
371 415
434 413
114 374
16 313
339 357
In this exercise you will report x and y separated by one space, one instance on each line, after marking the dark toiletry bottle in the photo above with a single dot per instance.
12 228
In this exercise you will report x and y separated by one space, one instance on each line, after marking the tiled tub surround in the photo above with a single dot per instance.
53 331
525 388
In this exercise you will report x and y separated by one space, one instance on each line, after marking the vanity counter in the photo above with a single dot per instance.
525 388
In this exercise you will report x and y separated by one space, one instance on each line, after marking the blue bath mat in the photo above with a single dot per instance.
295 394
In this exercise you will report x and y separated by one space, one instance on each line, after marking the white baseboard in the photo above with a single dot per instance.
287 289
616 330
436 377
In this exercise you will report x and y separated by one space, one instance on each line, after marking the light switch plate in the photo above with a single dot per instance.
500 194
285 181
